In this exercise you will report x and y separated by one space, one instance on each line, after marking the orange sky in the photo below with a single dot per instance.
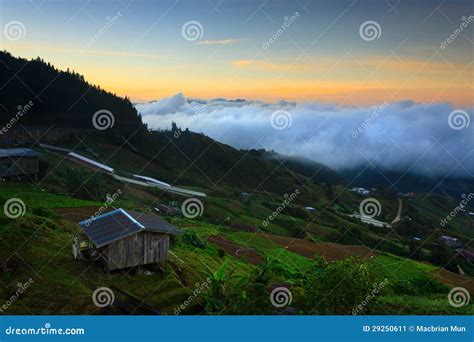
243 50
349 80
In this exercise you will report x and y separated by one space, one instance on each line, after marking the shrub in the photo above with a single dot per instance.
191 238
423 285
45 212
340 286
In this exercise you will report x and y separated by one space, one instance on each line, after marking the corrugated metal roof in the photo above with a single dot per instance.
55 148
152 180
118 224
170 188
90 161
18 152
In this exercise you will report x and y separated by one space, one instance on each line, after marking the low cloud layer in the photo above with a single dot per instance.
421 138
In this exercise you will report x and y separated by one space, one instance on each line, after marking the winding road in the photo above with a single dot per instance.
399 212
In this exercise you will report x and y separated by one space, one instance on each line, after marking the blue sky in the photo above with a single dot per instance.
320 56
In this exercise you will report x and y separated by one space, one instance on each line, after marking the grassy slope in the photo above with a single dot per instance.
64 285
68 284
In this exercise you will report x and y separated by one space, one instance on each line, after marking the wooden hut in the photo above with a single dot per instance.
44 134
167 210
18 162
124 238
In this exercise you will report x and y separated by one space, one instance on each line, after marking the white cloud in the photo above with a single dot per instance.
397 136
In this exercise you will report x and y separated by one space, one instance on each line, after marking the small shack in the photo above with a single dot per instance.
124 238
18 162
167 210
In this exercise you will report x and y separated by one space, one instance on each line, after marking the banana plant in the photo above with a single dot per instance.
218 298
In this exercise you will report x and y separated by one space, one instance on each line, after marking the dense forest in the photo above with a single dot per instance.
66 99
62 98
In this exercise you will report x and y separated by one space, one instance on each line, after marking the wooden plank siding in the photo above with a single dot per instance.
139 249
30 134
17 166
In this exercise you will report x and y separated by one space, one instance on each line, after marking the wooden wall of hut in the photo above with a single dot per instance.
139 249
43 135
18 166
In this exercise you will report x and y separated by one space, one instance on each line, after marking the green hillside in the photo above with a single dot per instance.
262 225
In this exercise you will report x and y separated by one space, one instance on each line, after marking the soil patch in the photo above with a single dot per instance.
454 280
236 250
329 251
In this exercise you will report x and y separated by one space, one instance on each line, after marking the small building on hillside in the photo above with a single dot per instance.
361 191
243 227
467 254
19 162
449 241
167 210
43 134
124 238
90 163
